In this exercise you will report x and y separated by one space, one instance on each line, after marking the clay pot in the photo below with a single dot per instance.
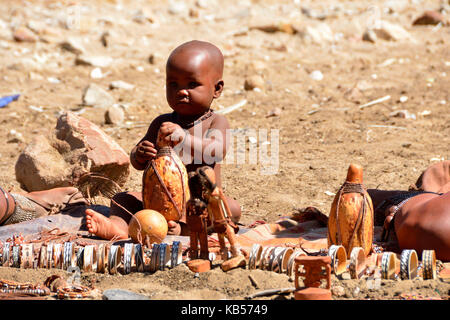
350 222
148 223
166 190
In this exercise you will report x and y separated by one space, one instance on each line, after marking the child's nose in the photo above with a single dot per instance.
183 92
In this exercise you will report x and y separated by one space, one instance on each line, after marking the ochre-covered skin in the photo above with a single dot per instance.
174 175
348 211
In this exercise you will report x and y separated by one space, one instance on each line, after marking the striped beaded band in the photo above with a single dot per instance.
409 263
338 259
429 264
139 257
154 257
16 256
69 257
27 257
265 256
357 262
176 254
114 257
57 252
388 265
291 261
283 259
80 257
6 254
275 257
255 256
162 256
128 257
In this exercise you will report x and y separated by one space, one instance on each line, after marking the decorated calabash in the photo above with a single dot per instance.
351 219
165 185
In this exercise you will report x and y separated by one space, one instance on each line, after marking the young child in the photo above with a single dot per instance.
194 73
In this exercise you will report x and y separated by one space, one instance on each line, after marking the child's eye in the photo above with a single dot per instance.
172 84
193 84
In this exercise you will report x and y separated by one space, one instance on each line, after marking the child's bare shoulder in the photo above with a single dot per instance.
219 121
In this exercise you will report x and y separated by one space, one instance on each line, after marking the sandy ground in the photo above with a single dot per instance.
321 127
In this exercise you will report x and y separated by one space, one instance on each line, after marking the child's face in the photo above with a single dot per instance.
191 83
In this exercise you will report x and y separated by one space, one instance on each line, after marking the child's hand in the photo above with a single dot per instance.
174 228
170 134
145 151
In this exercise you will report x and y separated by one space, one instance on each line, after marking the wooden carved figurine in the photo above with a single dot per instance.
350 222
197 219
204 189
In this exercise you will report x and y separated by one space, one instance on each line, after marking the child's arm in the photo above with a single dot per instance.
212 147
146 150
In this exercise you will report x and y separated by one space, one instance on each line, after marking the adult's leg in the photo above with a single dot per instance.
423 223
436 178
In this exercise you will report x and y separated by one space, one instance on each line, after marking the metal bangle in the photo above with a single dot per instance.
80 257
283 259
43 257
388 265
176 254
89 258
69 256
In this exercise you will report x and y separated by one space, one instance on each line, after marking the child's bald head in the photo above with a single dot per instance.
199 53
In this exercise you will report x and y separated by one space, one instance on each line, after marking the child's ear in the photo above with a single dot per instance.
218 89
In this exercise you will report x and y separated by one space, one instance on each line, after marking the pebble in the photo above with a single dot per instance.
388 31
120 294
95 61
73 45
346 276
274 113
403 114
430 18
255 81
119 84
97 73
316 75
338 291
114 115
14 137
177 7
23 34
95 96
403 99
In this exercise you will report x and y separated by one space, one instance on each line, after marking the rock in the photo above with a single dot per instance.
40 166
119 84
369 35
338 291
430 18
23 34
316 75
14 137
275 27
390 32
120 294
114 115
95 61
255 81
95 96
76 147
233 263
73 45
274 113
319 34
96 73
403 114
346 276
177 7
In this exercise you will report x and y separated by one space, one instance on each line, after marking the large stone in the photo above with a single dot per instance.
95 61
23 34
390 32
76 149
40 166
95 96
